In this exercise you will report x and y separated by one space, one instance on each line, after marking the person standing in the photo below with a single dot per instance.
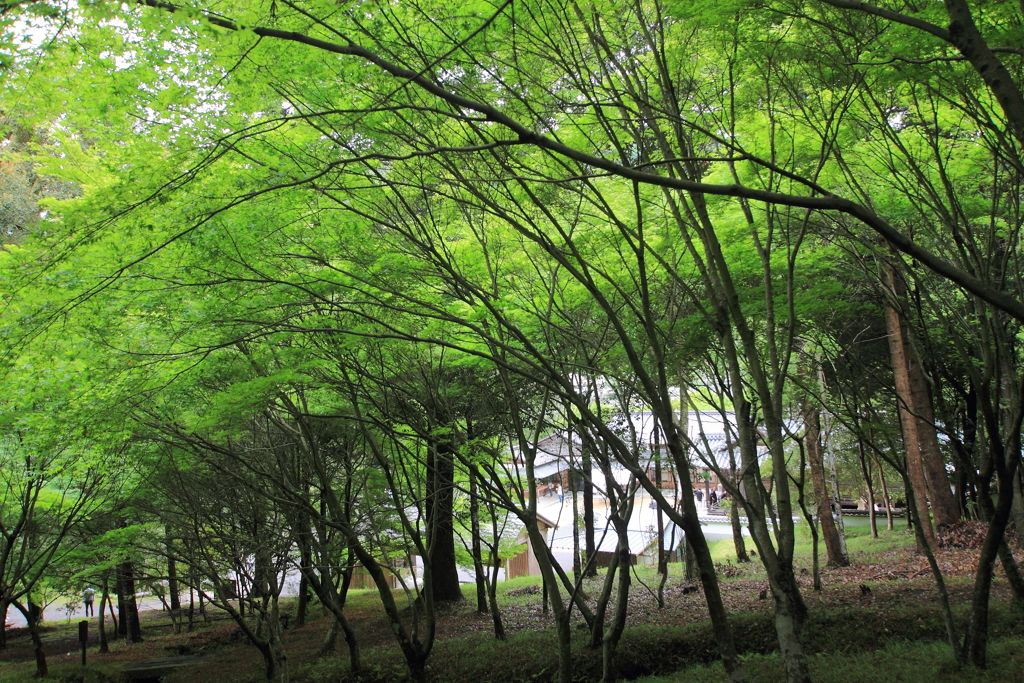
88 597
561 496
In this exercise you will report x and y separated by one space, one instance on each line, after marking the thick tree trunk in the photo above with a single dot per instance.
552 595
1006 459
278 656
334 600
712 594
274 659
440 523
976 641
906 408
330 641
1012 571
790 610
943 503
4 606
829 531
354 655
130 614
32 620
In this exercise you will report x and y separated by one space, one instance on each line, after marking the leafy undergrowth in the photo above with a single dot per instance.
884 601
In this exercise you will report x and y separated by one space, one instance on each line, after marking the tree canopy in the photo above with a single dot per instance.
358 259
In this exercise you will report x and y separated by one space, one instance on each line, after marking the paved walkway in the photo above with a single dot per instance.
55 612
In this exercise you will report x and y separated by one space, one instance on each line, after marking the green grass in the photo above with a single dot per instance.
859 543
903 662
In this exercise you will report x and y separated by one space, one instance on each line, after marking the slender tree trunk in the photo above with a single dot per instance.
120 624
104 600
191 603
660 527
968 453
172 577
476 549
815 562
354 654
577 565
492 590
494 567
202 606
545 602
590 547
801 484
1018 509
304 540
601 610
885 494
812 441
614 633
734 504
976 642
689 562
865 468
303 606
113 616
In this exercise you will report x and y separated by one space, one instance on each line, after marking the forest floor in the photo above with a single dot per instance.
884 601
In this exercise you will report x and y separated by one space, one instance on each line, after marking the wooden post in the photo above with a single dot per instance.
83 636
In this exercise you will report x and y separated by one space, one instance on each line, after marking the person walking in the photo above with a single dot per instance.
561 496
88 597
